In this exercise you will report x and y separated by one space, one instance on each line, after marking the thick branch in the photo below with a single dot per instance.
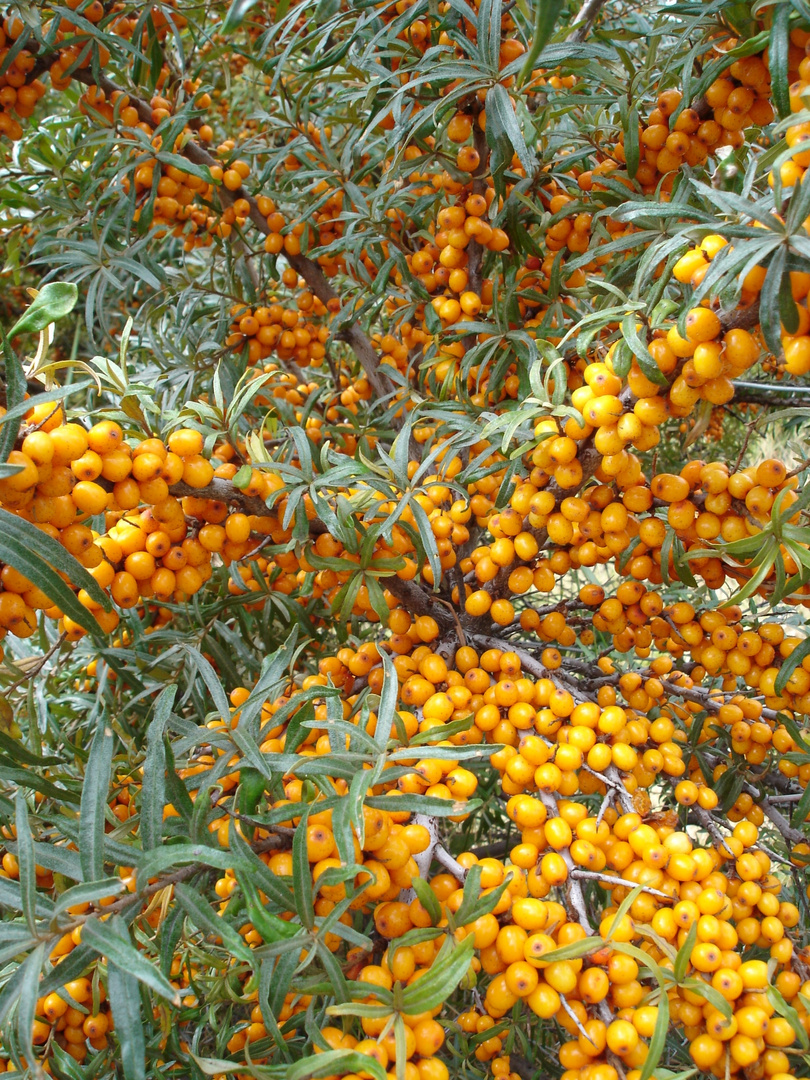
223 491
417 601
745 318
586 17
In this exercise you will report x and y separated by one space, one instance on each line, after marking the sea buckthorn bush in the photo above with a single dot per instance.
404 541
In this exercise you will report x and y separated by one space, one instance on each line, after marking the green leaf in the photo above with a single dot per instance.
27 972
802 809
790 664
111 939
490 13
302 875
88 893
708 993
211 680
778 52
640 350
94 802
169 857
25 858
56 393
125 1002
53 302
547 12
236 13
338 1062
788 308
153 790
388 702
624 907
35 554
428 899
770 301
446 972
26 1008
15 395
684 954
789 1013
659 1039
200 914
502 122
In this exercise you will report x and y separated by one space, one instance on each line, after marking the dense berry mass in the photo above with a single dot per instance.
404 544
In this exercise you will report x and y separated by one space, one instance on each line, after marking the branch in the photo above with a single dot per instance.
711 827
574 889
614 879
417 601
443 856
586 17
744 318
223 491
701 697
424 858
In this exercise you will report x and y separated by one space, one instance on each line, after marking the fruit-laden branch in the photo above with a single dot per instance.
223 491
704 698
309 270
744 318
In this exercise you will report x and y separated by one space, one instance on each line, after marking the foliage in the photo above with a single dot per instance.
402 586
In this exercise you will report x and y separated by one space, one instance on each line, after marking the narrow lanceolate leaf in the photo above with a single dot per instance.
236 13
22 989
335 1062
26 1008
29 970
25 858
631 142
111 939
802 809
501 117
388 702
800 653
684 953
15 394
659 1039
427 898
38 556
125 1001
769 301
782 1007
153 863
302 876
778 49
200 915
88 893
94 802
447 971
53 302
489 32
211 681
153 791
545 19
641 352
